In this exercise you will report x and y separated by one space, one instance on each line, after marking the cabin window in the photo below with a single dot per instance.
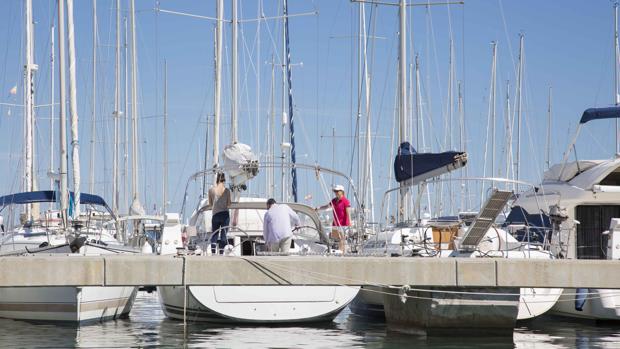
594 220
612 179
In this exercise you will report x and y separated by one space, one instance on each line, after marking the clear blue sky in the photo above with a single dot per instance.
568 45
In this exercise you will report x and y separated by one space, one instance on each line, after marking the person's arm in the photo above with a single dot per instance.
210 199
228 197
327 205
294 217
348 209
266 231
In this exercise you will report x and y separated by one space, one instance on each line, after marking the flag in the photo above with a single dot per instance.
13 91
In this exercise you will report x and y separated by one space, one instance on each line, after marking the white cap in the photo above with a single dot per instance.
338 187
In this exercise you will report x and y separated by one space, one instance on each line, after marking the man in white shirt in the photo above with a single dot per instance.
277 226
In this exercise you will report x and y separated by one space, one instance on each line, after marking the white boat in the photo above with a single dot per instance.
442 238
67 304
46 236
254 304
583 199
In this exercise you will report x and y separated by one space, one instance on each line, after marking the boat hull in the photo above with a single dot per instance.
601 304
66 304
256 304
469 310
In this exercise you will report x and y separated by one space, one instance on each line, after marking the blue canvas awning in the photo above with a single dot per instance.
600 113
49 196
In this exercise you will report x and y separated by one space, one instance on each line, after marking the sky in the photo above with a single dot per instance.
568 46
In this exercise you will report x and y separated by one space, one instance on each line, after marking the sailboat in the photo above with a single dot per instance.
64 231
469 235
248 304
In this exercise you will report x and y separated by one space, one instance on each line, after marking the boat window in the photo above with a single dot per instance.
594 220
612 179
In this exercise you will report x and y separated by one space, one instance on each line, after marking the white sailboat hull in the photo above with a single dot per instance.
537 301
256 304
601 304
66 304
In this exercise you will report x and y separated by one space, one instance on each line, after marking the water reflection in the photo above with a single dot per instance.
148 327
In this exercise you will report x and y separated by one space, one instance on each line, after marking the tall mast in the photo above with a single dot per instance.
117 105
418 106
402 93
548 157
616 92
290 102
75 144
126 119
62 130
402 73
271 131
218 82
52 108
490 127
93 129
509 120
492 106
519 101
165 184
283 143
368 185
136 206
235 62
29 69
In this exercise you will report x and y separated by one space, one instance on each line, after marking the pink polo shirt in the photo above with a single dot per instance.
341 218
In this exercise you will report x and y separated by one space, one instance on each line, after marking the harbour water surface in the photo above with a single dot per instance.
148 327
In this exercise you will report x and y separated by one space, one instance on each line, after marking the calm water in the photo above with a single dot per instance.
148 327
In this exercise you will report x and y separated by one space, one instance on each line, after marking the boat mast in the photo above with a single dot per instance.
117 105
519 113
136 206
368 185
491 116
616 92
62 137
402 93
235 38
29 69
165 181
126 119
283 143
548 157
218 82
271 130
290 101
93 128
493 107
75 144
418 107
52 110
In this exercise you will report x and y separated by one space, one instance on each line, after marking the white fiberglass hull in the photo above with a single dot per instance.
537 301
66 304
600 304
256 304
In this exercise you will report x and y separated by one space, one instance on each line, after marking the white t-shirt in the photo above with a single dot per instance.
278 223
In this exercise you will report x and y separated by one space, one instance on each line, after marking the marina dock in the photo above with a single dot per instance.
68 270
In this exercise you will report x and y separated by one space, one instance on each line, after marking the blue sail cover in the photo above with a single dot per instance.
600 113
409 163
48 196
539 225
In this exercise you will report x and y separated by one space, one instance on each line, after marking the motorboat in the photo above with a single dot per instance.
47 236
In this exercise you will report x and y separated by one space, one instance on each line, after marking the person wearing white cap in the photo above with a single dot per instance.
341 209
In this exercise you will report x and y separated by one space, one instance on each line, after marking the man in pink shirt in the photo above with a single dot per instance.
341 209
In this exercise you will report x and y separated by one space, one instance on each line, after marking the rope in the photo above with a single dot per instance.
327 279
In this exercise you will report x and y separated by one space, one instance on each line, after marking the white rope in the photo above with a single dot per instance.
330 279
